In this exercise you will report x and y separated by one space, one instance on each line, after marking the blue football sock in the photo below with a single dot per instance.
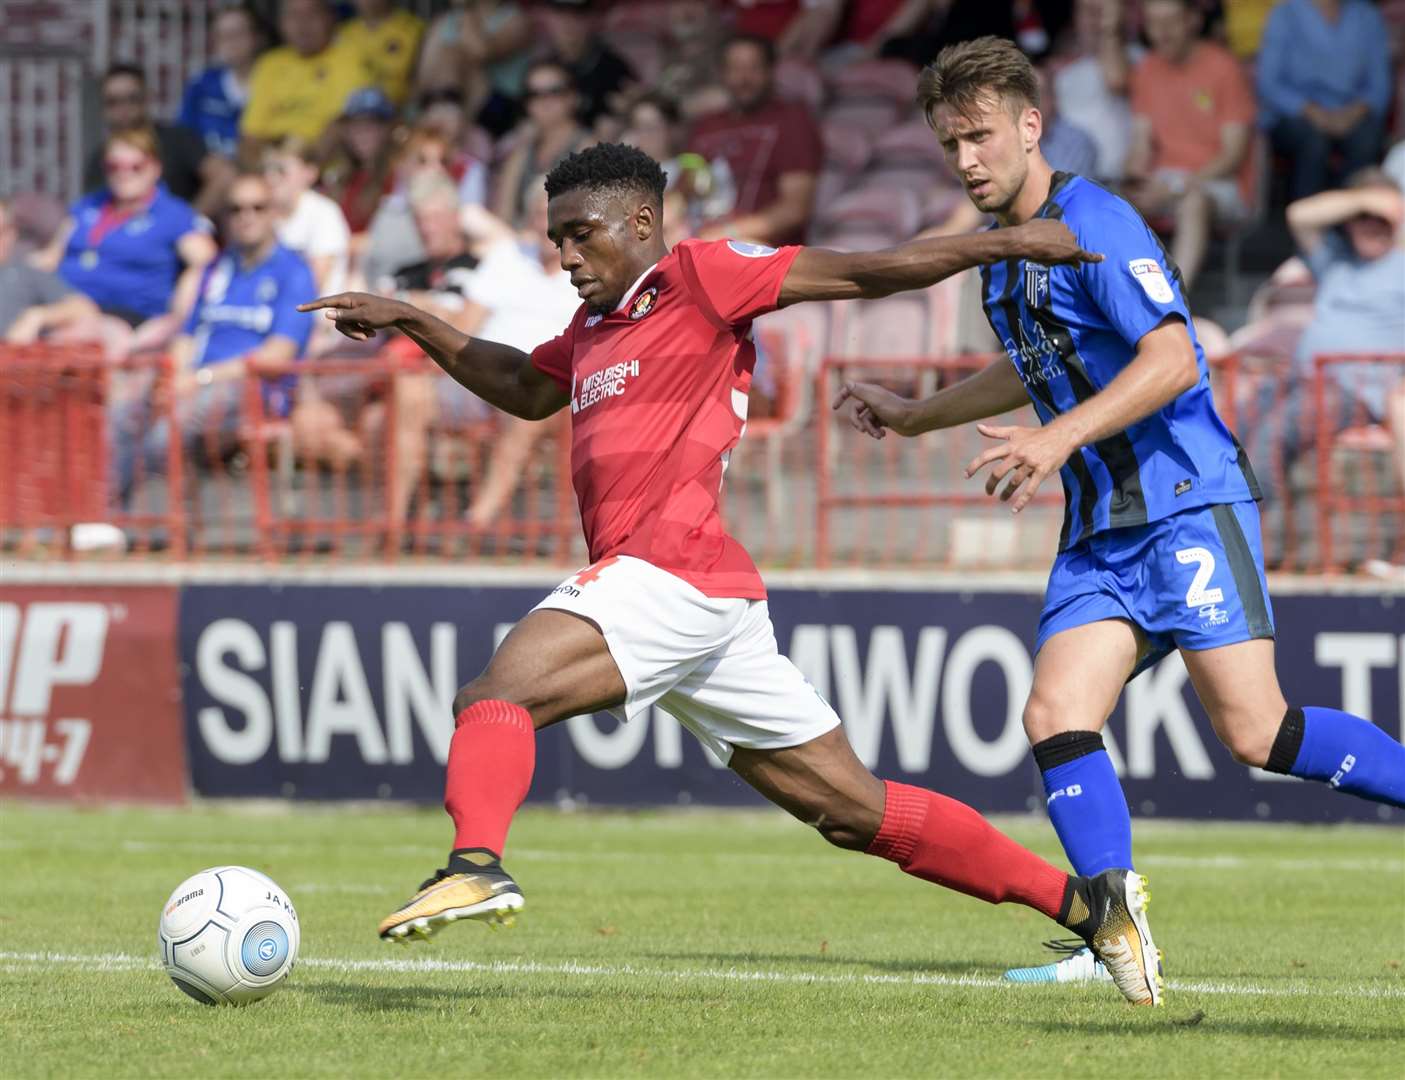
1349 753
1085 801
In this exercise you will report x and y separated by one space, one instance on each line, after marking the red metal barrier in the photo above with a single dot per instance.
900 502
382 460
1360 457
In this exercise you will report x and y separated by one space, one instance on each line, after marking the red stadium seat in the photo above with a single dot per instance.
799 81
887 80
872 115
893 211
894 328
847 148
913 143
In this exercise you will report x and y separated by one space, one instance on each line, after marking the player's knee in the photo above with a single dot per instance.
484 689
1248 738
1042 719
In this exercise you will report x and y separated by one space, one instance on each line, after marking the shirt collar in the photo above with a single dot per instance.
634 288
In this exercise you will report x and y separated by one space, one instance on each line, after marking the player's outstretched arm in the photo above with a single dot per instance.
501 375
821 274
992 391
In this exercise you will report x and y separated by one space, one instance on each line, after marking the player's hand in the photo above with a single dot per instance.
1024 457
1049 242
359 315
872 409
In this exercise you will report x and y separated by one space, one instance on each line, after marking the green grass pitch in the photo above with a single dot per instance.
673 944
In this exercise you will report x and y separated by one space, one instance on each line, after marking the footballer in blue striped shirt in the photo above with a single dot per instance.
1160 548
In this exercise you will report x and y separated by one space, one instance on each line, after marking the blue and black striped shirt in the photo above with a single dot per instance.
1070 330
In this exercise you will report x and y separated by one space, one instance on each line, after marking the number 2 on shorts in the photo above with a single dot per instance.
1197 595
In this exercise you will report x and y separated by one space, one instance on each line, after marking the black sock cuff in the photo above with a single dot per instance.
1066 746
1287 742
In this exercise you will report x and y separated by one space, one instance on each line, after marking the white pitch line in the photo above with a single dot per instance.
1194 862
11 961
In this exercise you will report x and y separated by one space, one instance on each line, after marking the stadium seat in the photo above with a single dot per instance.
893 328
858 239
869 80
872 115
893 211
799 81
908 145
846 148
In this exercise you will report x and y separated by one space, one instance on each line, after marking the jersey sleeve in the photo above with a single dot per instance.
1136 285
735 281
553 358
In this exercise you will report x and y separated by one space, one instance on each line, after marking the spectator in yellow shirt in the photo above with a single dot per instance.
388 39
300 87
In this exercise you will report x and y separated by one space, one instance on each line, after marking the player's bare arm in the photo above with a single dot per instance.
499 374
1163 368
874 410
821 274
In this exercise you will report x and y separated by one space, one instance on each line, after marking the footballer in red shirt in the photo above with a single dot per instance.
655 368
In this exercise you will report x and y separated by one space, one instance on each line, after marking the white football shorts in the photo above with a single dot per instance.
710 661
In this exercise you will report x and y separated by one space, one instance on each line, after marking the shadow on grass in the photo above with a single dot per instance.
418 996
841 964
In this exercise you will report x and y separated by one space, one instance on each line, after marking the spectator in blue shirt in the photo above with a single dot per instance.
245 322
1348 240
214 99
131 246
1324 84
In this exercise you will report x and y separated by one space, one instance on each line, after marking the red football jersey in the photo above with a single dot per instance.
658 399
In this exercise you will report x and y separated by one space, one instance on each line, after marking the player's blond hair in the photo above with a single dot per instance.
970 74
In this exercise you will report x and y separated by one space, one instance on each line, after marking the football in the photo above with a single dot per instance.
228 936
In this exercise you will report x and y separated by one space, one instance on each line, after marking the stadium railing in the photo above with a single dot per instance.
802 489
903 503
1360 498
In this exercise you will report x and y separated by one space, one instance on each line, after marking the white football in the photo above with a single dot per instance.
229 936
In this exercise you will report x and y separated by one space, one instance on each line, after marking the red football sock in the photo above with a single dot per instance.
939 839
491 758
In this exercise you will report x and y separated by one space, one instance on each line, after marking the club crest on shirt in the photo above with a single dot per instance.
643 303
1036 285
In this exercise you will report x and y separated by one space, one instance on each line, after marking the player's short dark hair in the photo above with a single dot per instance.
608 167
765 44
123 68
968 74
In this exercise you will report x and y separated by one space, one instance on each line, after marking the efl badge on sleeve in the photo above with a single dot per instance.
643 303
1036 285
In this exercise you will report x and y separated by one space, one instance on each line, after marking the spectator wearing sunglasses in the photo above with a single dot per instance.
245 321
188 169
131 246
551 130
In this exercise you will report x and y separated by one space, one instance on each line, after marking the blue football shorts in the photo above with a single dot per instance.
1194 580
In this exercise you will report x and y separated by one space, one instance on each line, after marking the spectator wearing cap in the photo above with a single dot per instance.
300 87
1325 86
244 321
308 222
551 131
482 49
214 99
187 169
388 39
1193 112
599 73
358 173
772 148
131 246
1348 238
34 302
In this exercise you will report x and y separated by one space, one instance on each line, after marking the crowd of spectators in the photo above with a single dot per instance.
355 145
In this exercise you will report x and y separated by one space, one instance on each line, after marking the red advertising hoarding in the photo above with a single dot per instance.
90 694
